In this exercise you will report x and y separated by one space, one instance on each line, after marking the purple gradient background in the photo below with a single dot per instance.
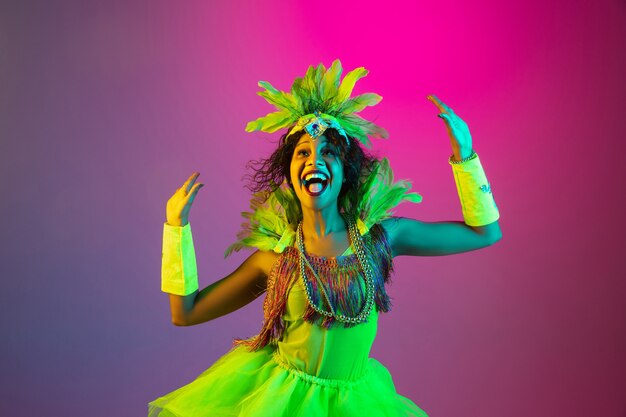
107 107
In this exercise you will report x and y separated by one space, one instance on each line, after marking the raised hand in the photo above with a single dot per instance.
460 137
179 205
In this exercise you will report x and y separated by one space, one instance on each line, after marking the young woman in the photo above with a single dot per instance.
325 237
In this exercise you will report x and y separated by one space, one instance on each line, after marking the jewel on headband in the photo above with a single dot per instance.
316 127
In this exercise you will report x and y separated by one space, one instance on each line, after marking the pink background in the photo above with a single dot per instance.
107 107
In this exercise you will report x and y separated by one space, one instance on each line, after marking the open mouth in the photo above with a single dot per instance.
315 183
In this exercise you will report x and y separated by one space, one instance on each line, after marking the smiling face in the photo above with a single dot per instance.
316 172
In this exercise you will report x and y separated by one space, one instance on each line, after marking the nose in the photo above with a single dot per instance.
316 160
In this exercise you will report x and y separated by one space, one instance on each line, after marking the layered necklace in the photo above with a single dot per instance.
359 249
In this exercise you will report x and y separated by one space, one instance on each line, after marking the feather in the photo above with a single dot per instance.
357 127
281 100
308 83
358 103
269 87
321 90
381 195
319 74
366 127
287 198
268 221
330 83
347 85
367 187
312 88
296 93
271 122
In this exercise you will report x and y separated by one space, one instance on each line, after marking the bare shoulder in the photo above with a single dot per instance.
391 227
263 261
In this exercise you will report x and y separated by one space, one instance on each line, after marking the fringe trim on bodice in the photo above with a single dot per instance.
342 278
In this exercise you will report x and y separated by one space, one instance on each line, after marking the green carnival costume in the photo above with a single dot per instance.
305 361
298 365
302 363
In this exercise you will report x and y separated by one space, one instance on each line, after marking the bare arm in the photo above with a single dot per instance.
417 238
228 294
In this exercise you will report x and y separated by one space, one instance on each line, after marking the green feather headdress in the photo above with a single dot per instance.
320 96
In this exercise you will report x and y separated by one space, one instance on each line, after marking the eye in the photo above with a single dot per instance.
328 151
303 152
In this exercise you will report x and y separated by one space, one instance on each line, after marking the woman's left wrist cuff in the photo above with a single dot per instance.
477 202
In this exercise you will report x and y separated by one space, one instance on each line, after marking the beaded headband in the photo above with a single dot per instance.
318 101
316 124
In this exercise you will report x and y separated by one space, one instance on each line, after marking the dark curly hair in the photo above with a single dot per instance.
268 174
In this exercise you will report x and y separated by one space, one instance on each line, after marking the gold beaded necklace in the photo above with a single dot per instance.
359 249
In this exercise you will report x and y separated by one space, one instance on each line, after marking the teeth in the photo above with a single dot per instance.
315 175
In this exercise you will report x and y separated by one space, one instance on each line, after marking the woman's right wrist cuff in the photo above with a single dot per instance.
179 274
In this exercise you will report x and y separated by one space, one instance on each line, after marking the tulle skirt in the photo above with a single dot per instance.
261 383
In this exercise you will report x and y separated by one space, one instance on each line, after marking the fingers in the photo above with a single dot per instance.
446 118
447 114
441 106
194 190
190 182
453 121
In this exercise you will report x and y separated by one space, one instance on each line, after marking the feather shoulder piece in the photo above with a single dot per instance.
271 222
381 195
273 216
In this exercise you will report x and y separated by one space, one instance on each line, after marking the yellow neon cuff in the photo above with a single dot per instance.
479 207
179 274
